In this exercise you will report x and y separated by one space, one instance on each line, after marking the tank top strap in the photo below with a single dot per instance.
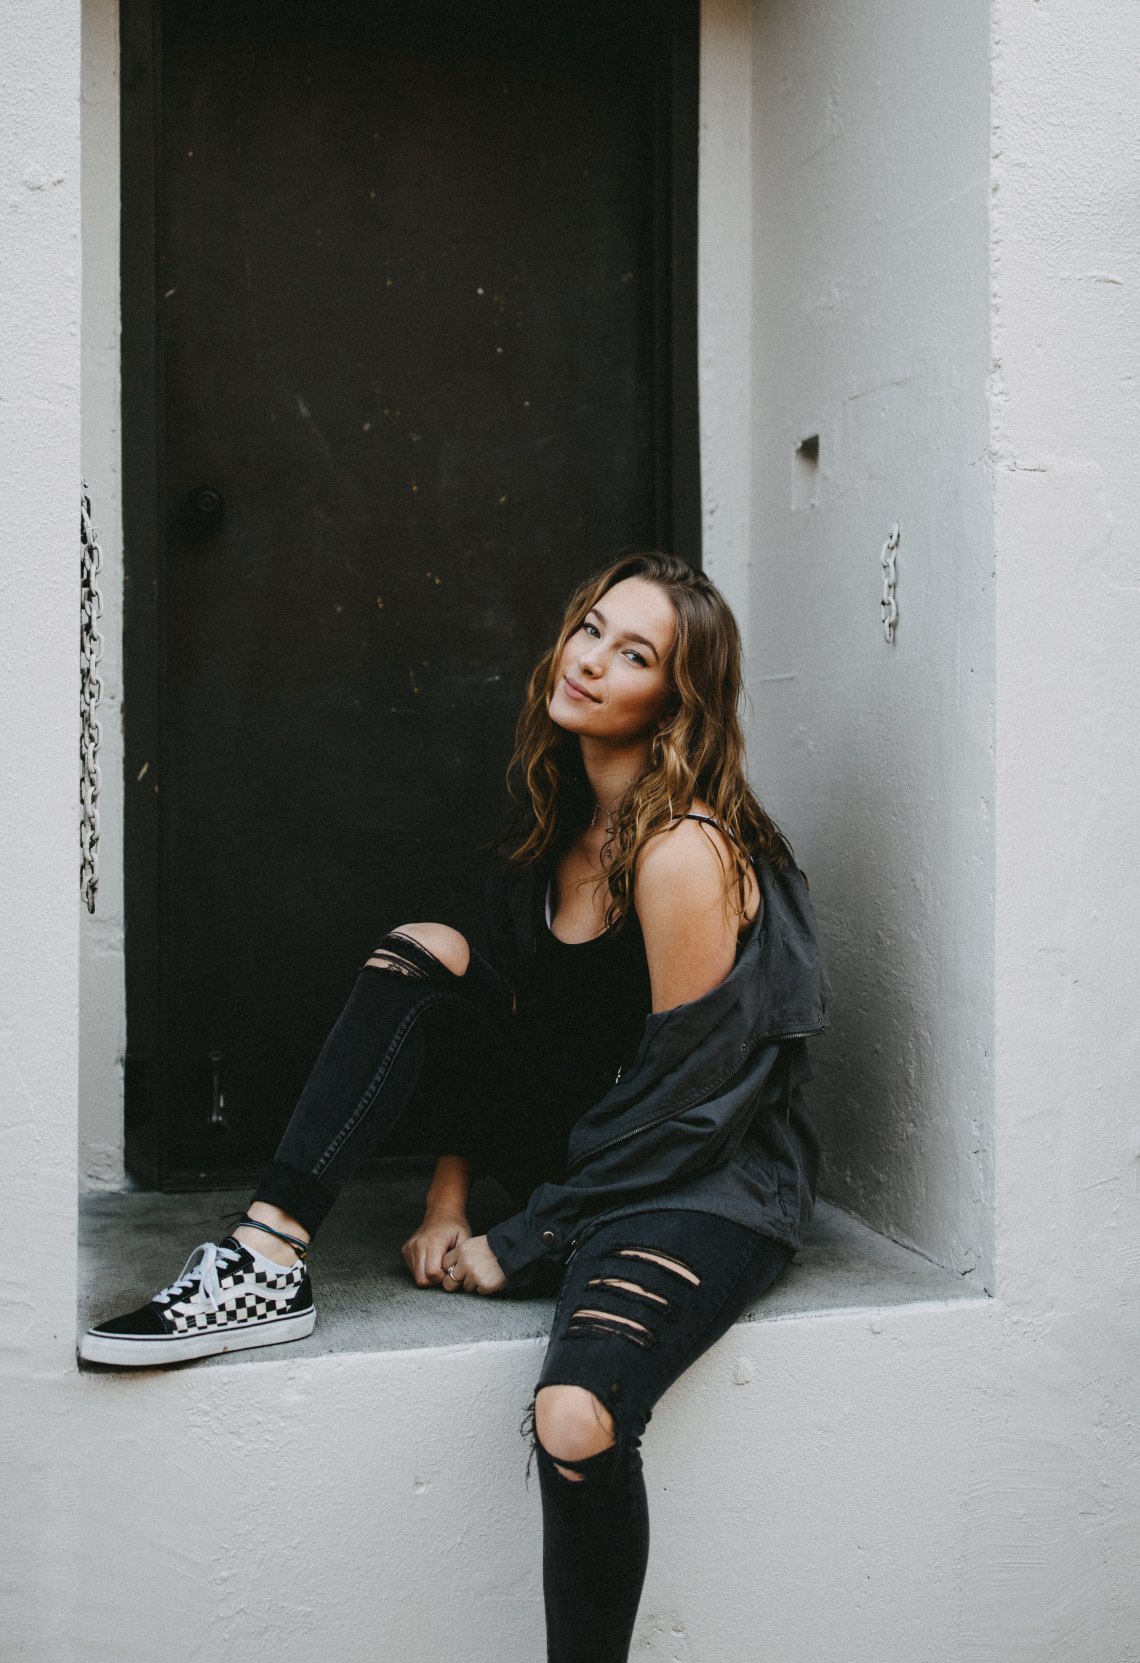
709 821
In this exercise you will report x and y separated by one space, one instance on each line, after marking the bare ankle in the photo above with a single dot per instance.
271 1247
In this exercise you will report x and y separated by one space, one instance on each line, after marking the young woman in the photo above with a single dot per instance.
626 1055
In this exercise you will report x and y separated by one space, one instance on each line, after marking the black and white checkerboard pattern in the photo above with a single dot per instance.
253 1296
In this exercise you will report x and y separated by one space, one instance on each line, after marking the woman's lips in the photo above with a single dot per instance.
577 692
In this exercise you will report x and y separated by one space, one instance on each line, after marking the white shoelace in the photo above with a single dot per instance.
201 1267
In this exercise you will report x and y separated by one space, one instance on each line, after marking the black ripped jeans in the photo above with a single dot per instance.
640 1298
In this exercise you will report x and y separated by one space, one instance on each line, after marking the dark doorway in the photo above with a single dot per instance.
409 348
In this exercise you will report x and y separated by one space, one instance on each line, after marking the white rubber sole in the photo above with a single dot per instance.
148 1353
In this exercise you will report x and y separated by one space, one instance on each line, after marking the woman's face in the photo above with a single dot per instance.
612 679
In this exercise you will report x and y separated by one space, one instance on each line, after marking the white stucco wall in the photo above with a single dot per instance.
39 847
1066 433
39 678
954 1485
103 1025
871 331
724 305
1056 1516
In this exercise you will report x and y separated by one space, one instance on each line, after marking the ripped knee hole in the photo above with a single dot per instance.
571 1473
634 1288
665 1260
576 1468
385 959
607 1323
610 1316
405 955
587 1321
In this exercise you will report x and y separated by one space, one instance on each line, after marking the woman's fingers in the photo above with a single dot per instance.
434 1243
456 1277
472 1267
433 1259
416 1260
440 1240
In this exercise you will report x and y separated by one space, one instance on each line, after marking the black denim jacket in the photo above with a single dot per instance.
709 1114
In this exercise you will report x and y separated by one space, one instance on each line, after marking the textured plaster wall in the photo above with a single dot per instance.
871 334
375 1507
39 687
103 1029
724 311
39 847
1065 1489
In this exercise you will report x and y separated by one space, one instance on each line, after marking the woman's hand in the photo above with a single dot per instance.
473 1267
440 1232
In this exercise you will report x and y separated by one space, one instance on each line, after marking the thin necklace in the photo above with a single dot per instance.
594 816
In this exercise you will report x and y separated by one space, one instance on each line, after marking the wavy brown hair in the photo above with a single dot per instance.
698 752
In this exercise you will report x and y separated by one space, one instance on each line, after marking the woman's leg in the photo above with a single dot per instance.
452 951
233 1294
641 1299
371 1062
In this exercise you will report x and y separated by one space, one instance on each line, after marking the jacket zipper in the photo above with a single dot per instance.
692 1103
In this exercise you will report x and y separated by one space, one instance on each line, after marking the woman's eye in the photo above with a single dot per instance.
632 652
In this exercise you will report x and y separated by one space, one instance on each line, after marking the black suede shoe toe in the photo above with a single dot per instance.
146 1320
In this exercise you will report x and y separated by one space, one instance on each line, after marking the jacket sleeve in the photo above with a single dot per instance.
668 1145
507 924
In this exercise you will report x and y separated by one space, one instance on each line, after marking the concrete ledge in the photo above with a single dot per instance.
133 1243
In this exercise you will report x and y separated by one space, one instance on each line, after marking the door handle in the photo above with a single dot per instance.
201 511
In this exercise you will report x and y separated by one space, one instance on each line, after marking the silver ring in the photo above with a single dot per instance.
451 1273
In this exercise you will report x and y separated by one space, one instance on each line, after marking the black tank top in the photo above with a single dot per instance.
581 1014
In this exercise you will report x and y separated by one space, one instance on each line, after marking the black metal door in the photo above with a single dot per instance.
414 327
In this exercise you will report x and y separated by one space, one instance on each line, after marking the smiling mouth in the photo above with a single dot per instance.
581 691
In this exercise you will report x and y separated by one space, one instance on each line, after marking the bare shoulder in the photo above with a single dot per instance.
680 900
680 863
691 860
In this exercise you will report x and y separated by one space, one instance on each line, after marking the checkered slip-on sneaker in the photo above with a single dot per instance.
221 1302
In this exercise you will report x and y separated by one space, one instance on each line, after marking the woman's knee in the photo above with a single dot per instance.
444 944
572 1424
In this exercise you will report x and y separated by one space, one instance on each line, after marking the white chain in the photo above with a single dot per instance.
90 693
888 606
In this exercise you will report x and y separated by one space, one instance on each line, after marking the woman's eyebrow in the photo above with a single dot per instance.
627 635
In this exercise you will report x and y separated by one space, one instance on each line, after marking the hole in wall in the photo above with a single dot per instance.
805 473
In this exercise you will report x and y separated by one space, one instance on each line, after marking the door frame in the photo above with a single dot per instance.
678 489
